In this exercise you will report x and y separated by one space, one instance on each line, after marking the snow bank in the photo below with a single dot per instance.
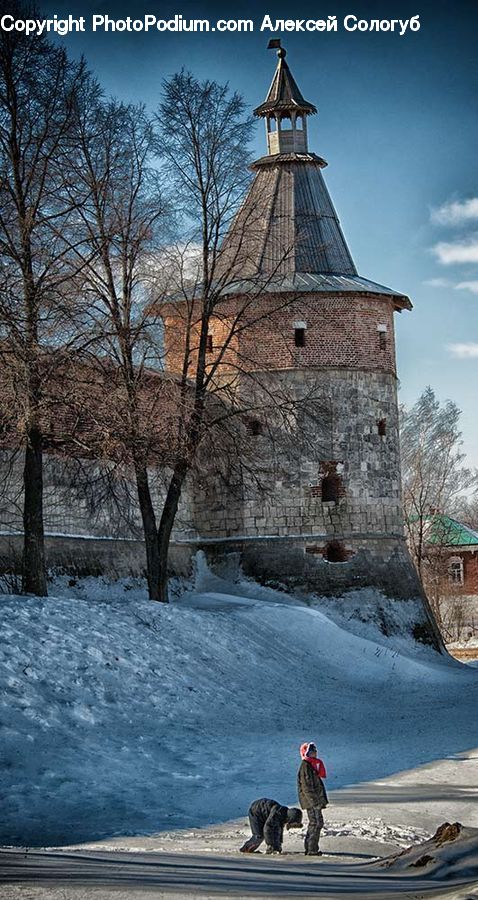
119 716
469 644
452 853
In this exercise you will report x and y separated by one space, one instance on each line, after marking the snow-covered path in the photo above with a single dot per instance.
363 821
444 866
108 876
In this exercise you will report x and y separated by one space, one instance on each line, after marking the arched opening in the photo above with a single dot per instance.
382 427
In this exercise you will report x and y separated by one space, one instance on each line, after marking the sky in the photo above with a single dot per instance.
398 125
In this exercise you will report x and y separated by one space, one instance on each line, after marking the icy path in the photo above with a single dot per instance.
362 821
120 877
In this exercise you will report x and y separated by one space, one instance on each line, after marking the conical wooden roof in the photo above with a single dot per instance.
288 223
287 234
284 95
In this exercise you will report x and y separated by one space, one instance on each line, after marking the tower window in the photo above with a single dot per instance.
331 485
331 488
209 347
299 337
254 427
382 427
382 336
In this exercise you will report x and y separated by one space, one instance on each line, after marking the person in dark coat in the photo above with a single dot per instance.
312 795
267 819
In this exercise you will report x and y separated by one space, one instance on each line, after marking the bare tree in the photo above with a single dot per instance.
435 483
445 595
38 89
135 284
122 215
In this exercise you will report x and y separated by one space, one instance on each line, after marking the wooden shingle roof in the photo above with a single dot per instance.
284 94
287 232
288 223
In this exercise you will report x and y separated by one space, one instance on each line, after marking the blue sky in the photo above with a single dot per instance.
398 125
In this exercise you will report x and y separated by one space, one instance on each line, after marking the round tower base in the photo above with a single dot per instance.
296 565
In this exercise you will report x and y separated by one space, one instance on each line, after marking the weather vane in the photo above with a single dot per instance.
275 44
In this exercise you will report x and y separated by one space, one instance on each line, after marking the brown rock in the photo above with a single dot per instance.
447 832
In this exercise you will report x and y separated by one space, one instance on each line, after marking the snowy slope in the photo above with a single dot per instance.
120 716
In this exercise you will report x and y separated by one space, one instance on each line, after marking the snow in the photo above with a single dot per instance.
452 852
471 643
124 722
371 819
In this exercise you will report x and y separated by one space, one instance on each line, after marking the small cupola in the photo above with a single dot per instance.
284 110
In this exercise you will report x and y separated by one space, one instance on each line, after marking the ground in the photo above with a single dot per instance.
124 722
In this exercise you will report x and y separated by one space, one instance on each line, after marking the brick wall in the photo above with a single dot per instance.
341 330
470 572
469 560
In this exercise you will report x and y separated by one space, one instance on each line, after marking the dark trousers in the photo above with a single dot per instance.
257 828
316 823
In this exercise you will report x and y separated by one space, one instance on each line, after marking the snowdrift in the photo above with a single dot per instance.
119 716
451 854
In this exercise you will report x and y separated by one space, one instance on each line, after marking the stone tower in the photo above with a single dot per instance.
331 517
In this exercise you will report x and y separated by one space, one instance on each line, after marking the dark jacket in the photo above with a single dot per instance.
270 817
310 787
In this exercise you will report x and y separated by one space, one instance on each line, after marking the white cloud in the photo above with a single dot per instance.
455 212
463 351
465 251
467 286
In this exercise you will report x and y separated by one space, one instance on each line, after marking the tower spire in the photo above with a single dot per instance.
285 111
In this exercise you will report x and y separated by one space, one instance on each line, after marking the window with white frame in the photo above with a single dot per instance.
455 570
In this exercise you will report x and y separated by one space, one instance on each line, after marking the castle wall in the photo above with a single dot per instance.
85 501
340 424
78 555
380 563
283 529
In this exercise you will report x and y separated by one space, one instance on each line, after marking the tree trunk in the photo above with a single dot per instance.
150 533
168 516
34 569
